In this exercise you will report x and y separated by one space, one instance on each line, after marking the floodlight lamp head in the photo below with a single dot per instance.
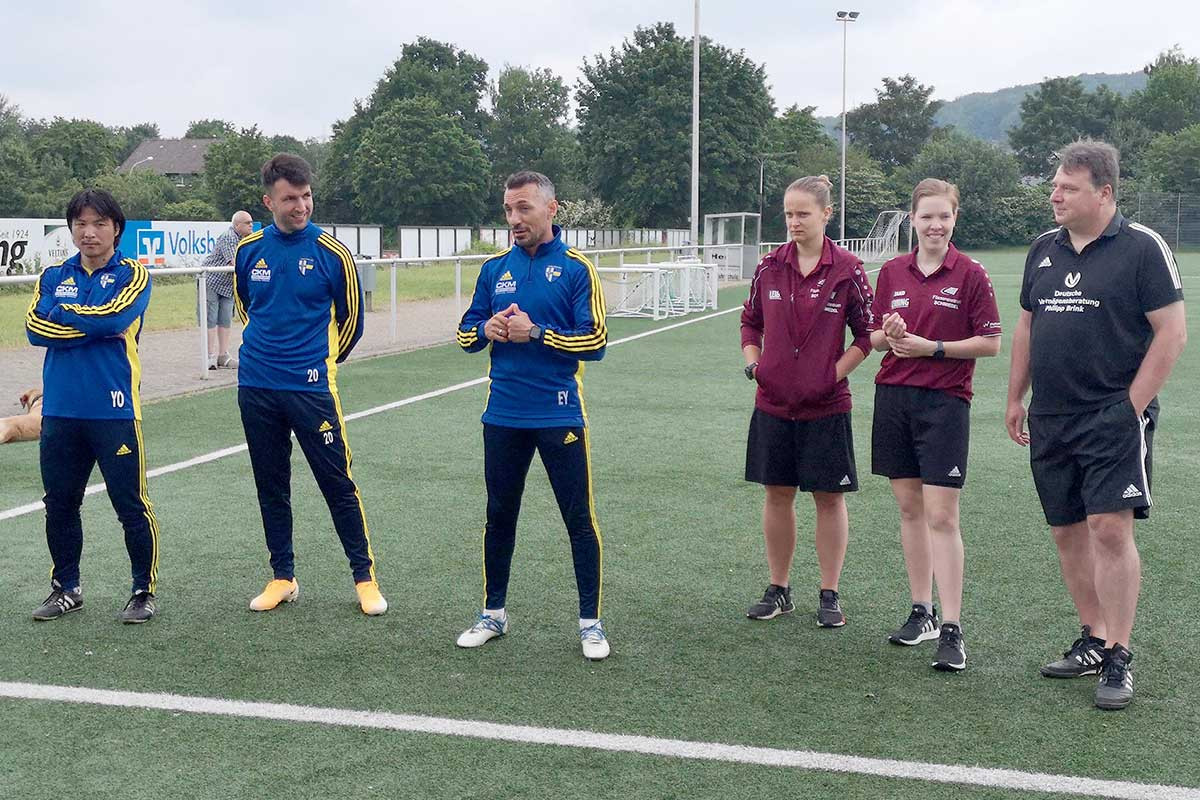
853 15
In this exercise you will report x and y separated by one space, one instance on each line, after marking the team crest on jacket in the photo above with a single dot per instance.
107 281
305 265
553 272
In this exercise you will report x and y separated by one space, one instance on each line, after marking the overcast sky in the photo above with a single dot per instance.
296 67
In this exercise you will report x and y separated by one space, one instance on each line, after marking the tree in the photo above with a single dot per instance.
983 174
133 136
1174 160
795 129
10 116
454 79
86 147
286 144
141 193
209 129
635 110
592 213
527 130
451 78
867 192
1057 113
50 187
191 209
16 162
232 168
334 184
1171 100
417 165
1022 216
895 127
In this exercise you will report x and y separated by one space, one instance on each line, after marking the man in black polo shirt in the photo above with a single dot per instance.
1101 327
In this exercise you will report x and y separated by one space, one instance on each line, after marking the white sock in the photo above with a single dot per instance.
586 623
495 613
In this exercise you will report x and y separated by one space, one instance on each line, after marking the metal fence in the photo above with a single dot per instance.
1175 217
634 257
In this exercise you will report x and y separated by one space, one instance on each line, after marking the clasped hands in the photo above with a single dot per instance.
510 325
902 343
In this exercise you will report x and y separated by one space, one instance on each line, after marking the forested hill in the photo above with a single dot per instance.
989 115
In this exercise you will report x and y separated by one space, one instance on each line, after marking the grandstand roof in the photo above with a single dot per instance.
171 156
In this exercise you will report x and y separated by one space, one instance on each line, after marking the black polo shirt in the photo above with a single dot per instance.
1090 331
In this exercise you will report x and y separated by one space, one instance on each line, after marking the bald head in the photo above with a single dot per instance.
243 223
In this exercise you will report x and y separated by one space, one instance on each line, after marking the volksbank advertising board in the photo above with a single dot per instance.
171 244
27 246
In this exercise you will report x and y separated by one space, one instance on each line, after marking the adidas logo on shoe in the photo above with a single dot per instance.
954 473
845 481
1131 491
123 450
571 438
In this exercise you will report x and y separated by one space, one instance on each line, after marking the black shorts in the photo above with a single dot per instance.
920 433
815 455
1092 463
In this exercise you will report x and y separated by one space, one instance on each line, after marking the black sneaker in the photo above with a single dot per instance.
1085 657
775 601
140 608
951 654
1116 680
829 611
58 603
921 627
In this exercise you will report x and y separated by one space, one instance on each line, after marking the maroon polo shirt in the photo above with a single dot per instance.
956 302
800 323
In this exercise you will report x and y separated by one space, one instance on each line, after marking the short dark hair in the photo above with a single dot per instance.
293 169
1100 159
528 176
99 201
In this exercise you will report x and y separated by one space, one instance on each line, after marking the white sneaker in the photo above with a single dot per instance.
484 629
595 643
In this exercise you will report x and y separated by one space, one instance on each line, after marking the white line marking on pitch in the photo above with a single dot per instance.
96 488
648 745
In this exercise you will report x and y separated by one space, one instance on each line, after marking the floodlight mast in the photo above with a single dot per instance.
844 17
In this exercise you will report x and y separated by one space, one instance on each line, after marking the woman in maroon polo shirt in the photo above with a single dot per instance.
935 313
804 295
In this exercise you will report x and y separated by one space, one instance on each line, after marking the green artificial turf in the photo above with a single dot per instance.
683 558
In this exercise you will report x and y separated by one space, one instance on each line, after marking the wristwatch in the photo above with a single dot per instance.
535 333
750 370
940 350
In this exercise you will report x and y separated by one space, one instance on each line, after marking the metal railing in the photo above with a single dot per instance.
624 255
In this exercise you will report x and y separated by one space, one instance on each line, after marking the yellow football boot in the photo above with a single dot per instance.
370 598
277 591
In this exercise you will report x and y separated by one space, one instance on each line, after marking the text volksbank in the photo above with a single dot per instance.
189 243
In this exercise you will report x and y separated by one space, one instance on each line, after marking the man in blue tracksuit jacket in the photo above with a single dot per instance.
541 306
87 312
296 290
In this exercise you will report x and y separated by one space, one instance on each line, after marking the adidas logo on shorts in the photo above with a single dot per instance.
571 438
955 473
124 450
845 481
325 426
1131 491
